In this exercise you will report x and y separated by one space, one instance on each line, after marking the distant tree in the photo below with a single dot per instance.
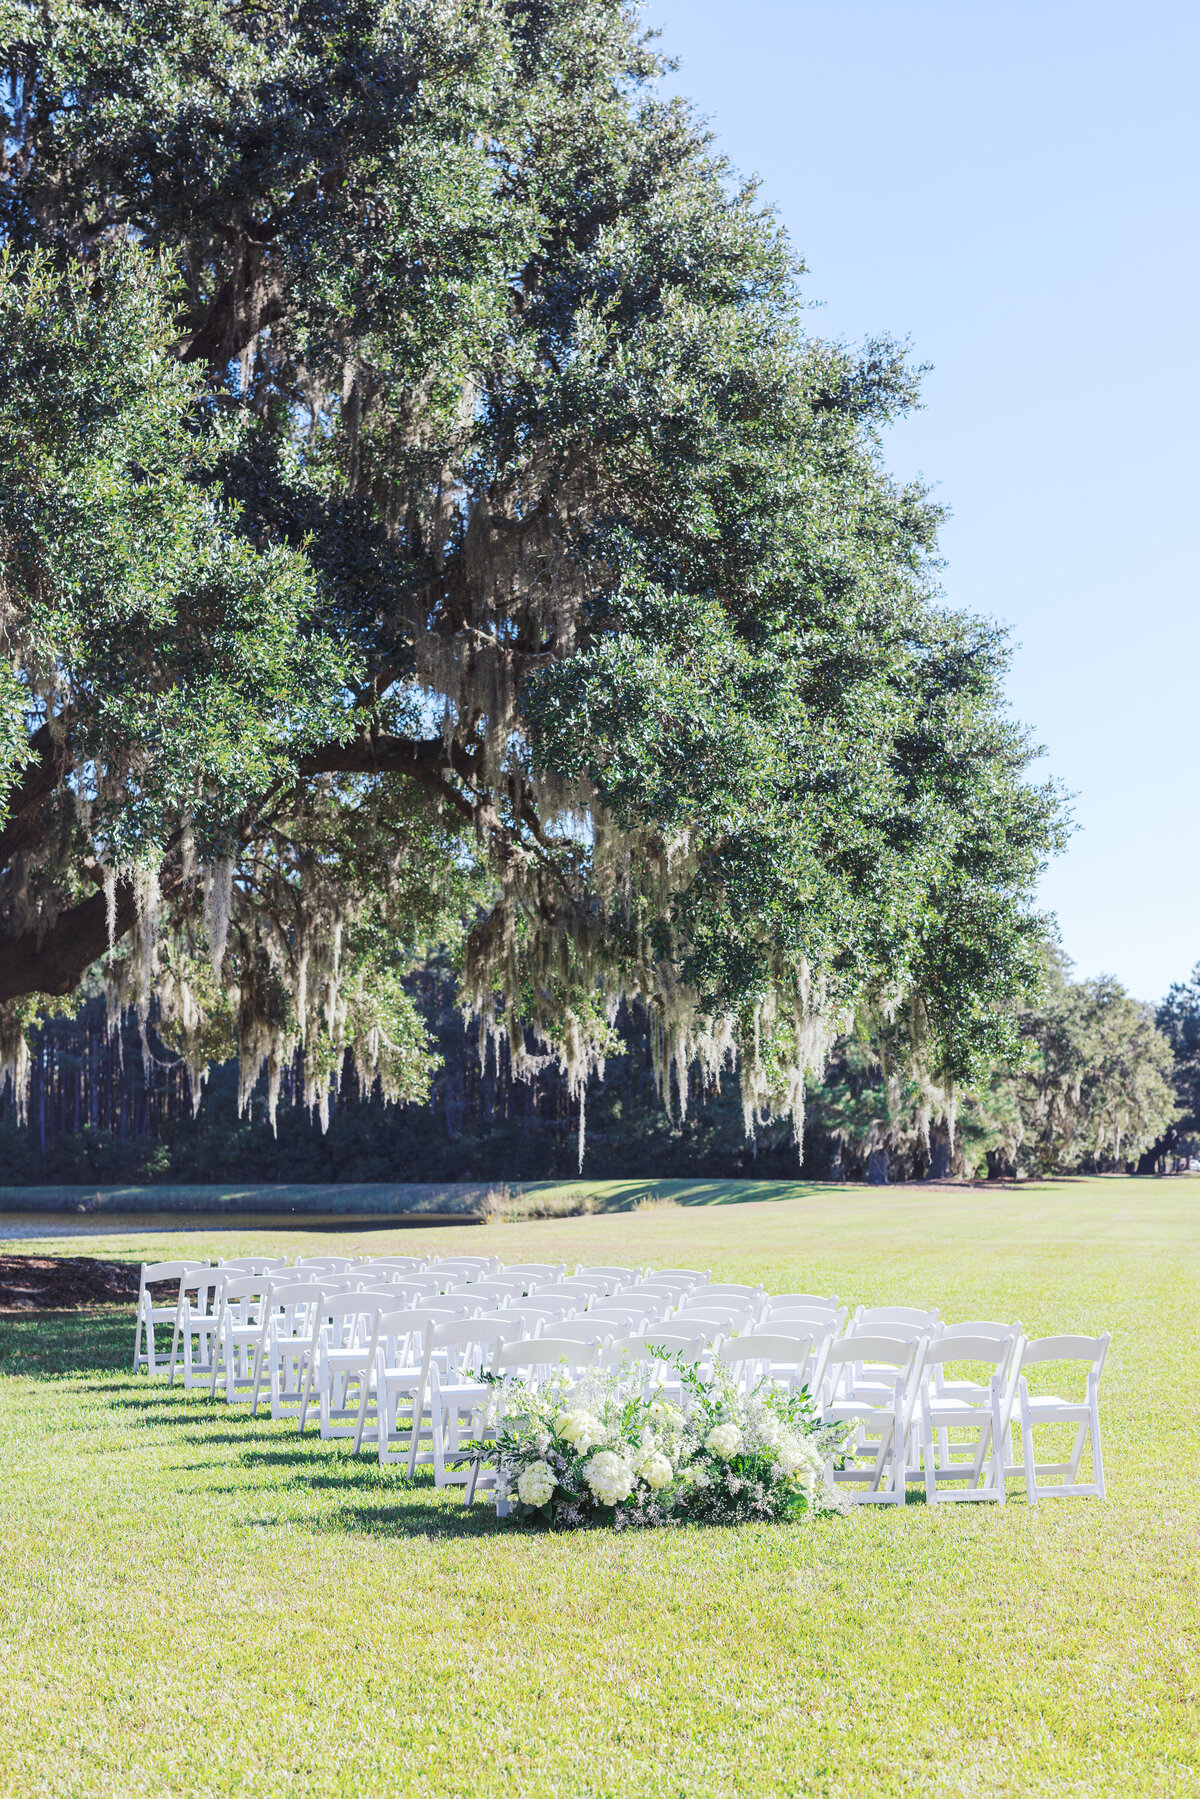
1094 1085
423 516
1178 1019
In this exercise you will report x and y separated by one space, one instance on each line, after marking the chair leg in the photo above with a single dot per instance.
1030 1469
929 1447
1097 1455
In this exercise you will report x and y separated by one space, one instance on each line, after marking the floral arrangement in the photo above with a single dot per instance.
611 1451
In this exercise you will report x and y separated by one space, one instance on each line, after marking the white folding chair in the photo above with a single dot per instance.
966 1389
884 1418
1050 1408
196 1320
451 1401
980 1408
620 1277
396 1360
340 1360
149 1314
290 1318
699 1277
321 1265
763 1356
252 1264
240 1304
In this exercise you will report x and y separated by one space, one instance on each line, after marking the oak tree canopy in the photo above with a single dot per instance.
426 517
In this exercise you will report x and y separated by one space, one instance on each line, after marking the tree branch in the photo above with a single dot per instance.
49 762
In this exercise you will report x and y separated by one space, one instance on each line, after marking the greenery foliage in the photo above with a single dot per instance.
424 519
609 1450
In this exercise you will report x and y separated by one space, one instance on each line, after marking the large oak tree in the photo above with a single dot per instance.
424 516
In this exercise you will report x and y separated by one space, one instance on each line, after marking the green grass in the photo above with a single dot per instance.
196 1604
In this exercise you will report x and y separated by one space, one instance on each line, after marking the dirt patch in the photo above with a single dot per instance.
64 1283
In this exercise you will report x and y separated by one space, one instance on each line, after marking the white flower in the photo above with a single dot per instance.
579 1426
655 1470
536 1483
661 1411
724 1440
609 1477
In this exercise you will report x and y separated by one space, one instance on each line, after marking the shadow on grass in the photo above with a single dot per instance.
374 1502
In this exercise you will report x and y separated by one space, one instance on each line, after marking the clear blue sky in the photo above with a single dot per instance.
1014 187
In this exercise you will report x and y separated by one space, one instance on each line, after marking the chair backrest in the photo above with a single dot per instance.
1068 1349
597 1286
731 1316
826 1301
546 1352
582 1330
405 1330
241 1298
607 1274
528 1319
700 1276
885 1315
731 1290
672 1291
978 1327
529 1271
550 1312
822 1318
470 1344
290 1293
764 1353
993 1350
478 1266
640 1348
327 1264
253 1264
895 1349
404 1264
629 1318
153 1272
888 1327
498 1287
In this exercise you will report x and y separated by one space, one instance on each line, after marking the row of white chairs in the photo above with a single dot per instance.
394 1351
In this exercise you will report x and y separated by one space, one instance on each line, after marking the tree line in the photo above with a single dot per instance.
1099 1082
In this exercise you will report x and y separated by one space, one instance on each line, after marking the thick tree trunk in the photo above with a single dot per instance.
940 1163
877 1168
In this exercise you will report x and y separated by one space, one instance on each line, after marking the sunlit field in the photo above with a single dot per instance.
195 1603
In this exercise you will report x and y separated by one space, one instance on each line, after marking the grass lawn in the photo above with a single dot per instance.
196 1604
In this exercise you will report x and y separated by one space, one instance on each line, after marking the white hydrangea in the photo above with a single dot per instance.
580 1427
610 1477
663 1413
724 1440
655 1469
536 1483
